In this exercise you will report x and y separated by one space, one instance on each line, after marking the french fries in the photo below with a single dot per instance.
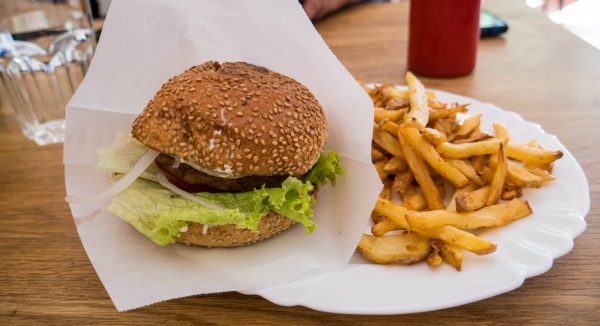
433 136
384 226
490 216
498 181
451 207
468 126
532 155
432 195
462 239
452 255
419 111
387 142
433 158
450 150
404 248
395 164
448 112
412 199
421 149
519 176
501 132
402 181
383 114
472 201
467 169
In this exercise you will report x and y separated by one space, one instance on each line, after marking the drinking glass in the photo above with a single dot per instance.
45 49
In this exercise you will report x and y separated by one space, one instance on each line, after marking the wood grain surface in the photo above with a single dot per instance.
537 69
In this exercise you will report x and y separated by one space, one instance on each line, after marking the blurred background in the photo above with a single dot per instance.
581 17
46 49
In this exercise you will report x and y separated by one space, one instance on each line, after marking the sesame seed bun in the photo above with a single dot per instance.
235 119
229 236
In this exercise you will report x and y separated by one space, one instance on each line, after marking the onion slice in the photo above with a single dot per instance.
165 183
140 166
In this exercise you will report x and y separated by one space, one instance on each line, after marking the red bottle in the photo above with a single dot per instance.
443 37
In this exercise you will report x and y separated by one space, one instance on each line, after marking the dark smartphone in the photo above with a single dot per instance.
491 25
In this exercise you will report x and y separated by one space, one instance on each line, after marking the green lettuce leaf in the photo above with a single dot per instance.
326 169
160 214
122 155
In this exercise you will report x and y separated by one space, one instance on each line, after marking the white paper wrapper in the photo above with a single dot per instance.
145 42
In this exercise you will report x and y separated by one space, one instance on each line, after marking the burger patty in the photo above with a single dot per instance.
188 174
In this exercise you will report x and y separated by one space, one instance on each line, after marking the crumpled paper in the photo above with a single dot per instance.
144 42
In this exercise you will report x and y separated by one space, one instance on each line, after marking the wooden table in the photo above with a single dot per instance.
537 69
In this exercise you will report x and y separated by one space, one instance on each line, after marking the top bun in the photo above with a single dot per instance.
235 119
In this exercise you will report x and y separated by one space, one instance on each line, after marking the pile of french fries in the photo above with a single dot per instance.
422 149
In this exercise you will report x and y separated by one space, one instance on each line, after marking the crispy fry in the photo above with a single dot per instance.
542 173
403 248
388 142
490 216
528 154
376 154
546 167
412 199
400 103
472 201
511 192
435 104
463 239
379 167
452 255
487 174
519 176
439 182
390 92
384 226
501 132
478 162
499 176
402 181
419 112
466 168
444 113
428 153
383 114
433 136
386 190
421 173
468 126
451 207
449 150
385 193
452 235
445 126
395 213
390 127
434 259
395 165
473 137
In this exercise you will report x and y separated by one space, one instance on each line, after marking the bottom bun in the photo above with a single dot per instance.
229 236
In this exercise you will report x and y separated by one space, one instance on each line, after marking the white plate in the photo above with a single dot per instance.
526 248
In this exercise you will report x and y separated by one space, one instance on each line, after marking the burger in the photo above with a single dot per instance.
223 155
